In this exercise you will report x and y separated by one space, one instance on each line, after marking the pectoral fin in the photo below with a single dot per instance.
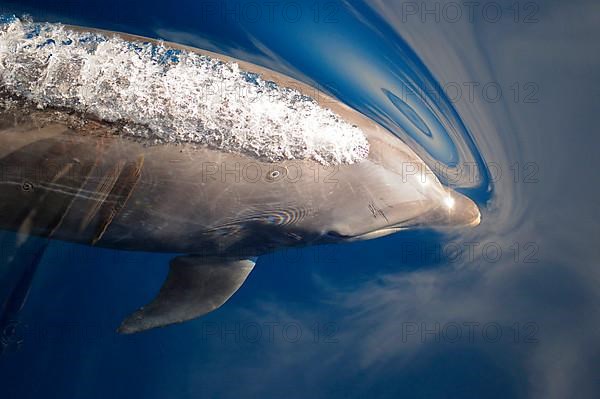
195 286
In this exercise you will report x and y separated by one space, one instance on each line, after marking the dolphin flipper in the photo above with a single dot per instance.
194 286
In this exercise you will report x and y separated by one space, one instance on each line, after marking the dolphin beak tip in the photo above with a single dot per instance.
463 211
477 221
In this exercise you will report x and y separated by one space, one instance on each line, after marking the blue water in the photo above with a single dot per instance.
509 309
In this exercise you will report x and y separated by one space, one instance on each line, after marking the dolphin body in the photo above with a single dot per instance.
70 176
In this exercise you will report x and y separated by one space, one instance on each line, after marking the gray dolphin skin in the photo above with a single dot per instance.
70 176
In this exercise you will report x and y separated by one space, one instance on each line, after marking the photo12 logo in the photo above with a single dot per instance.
454 252
270 12
269 332
470 11
469 332
254 172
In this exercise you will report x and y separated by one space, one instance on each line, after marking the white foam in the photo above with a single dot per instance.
170 95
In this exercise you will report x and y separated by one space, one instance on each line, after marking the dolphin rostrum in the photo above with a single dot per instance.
108 139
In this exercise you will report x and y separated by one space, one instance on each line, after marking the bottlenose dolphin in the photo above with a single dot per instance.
69 172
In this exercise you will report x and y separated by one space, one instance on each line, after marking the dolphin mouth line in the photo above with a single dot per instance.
397 227
377 233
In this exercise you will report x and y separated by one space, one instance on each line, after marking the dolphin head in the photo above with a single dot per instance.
393 213
392 190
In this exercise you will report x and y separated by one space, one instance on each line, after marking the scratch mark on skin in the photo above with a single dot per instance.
376 212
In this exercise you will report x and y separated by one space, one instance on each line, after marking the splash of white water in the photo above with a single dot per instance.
169 95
